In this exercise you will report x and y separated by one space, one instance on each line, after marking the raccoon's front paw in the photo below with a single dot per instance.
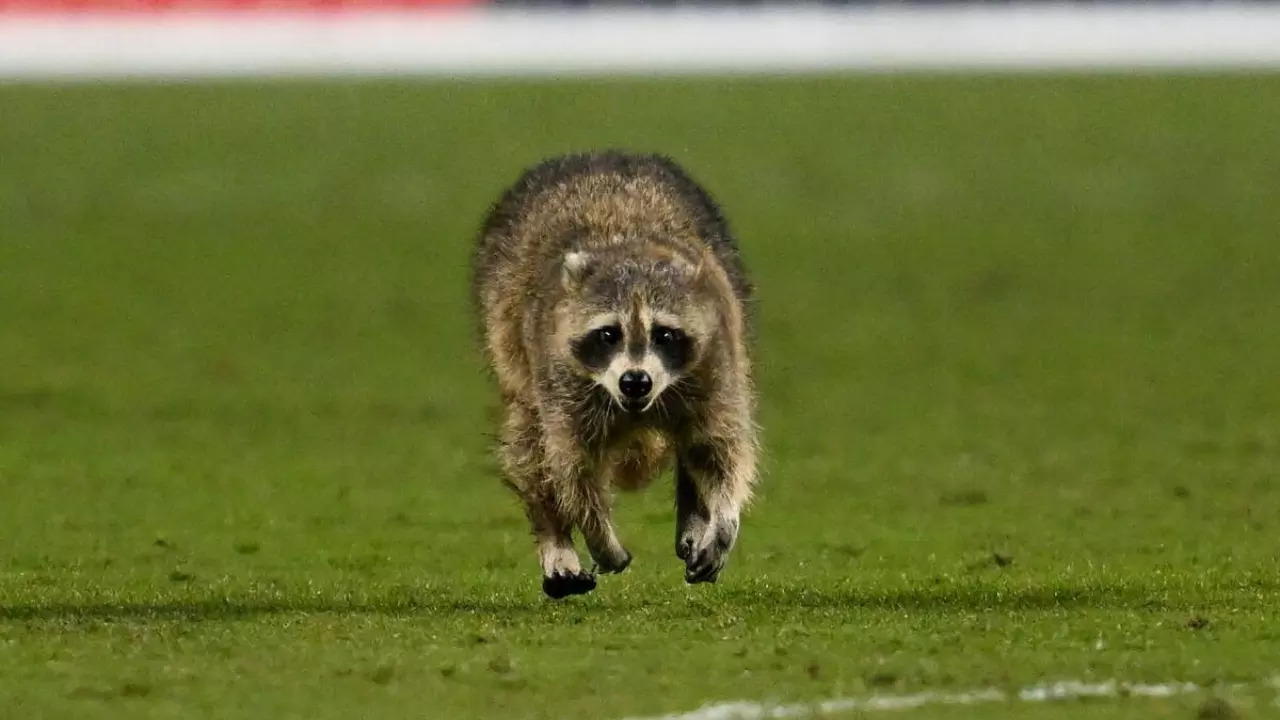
705 547
560 585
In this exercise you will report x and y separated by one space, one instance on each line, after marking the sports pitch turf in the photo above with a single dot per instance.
1018 357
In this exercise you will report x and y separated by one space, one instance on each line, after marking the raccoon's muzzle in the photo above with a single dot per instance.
635 384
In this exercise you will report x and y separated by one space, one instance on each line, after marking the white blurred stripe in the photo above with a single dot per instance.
764 40
1053 692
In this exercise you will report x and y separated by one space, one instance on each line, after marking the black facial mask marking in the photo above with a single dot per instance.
672 346
597 347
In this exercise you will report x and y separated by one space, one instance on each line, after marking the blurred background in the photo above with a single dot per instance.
469 38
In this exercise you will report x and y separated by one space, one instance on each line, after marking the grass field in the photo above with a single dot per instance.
1019 356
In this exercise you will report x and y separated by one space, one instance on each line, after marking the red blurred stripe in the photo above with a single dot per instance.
59 7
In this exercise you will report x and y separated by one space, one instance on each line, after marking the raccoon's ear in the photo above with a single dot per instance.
575 268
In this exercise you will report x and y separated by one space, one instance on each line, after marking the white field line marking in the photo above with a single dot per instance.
768 39
1064 690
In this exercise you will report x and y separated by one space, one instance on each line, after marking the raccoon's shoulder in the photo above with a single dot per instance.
706 216
582 174
701 210
570 179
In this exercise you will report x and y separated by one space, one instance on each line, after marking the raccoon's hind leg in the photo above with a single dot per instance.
596 524
522 460
582 499
630 468
713 482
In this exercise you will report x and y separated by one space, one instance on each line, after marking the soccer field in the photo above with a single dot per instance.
1019 349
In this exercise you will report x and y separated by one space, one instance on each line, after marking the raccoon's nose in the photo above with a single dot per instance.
635 383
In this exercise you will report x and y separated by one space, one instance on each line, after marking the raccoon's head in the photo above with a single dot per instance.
635 324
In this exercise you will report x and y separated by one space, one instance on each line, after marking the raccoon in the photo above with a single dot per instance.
615 313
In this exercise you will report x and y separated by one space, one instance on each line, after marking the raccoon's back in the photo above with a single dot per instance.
563 199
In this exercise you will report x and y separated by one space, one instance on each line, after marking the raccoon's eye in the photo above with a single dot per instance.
596 347
673 346
667 336
610 335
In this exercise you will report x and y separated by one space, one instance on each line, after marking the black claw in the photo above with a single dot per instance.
702 575
560 585
703 569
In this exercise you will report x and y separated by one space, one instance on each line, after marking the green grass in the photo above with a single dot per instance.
244 428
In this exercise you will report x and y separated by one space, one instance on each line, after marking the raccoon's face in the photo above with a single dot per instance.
640 325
